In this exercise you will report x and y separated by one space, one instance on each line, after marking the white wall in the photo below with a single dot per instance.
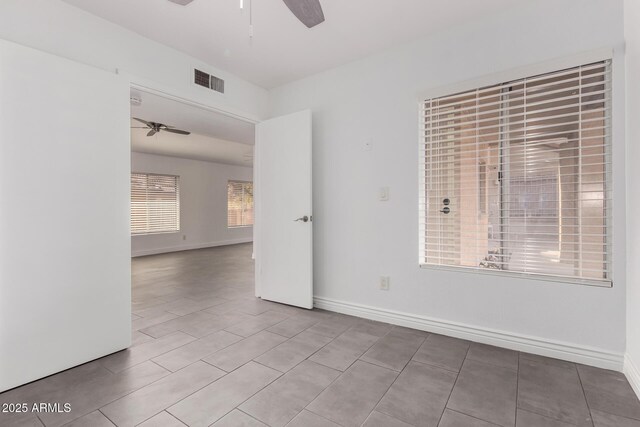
203 204
64 30
65 282
632 36
358 238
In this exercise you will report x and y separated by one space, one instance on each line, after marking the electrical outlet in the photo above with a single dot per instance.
184 237
384 283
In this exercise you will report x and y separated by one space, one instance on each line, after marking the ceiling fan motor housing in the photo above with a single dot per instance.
181 2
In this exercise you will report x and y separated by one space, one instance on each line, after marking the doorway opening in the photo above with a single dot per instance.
191 221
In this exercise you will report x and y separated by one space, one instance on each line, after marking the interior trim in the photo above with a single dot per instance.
165 250
556 349
632 373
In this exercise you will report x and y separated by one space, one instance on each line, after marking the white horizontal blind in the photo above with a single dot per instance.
239 204
517 176
155 203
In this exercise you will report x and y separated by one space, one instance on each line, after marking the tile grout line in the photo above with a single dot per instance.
324 418
385 392
172 416
103 414
306 407
258 391
517 390
154 382
278 370
304 360
548 416
476 418
304 330
584 394
180 400
149 359
357 358
247 414
446 405
396 379
615 415
437 366
140 332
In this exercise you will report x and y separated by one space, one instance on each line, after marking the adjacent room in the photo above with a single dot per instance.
191 200
191 177
319 213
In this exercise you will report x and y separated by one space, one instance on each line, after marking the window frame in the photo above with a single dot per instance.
498 78
178 206
239 181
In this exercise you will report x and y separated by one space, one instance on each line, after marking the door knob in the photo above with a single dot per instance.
446 210
303 219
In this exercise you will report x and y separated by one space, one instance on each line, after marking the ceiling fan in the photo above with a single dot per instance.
157 127
309 12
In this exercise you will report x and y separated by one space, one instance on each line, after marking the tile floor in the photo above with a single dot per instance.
206 353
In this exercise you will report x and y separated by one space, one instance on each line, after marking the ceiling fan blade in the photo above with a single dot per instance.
151 132
309 12
142 121
178 131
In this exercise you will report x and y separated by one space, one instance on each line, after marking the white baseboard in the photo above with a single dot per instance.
559 350
632 373
165 250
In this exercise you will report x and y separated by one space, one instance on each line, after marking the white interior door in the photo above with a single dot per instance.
65 245
283 226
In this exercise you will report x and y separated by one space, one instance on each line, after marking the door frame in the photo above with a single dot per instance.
143 85
147 86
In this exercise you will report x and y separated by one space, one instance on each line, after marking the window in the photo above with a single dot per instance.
239 204
517 177
155 203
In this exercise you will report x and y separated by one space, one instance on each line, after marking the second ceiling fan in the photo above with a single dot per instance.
155 127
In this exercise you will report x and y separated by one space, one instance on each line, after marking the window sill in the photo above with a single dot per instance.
239 226
524 276
153 233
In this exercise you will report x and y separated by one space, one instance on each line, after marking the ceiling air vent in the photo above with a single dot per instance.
206 80
217 84
201 78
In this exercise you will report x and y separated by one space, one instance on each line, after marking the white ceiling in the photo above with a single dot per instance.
283 49
190 118
214 137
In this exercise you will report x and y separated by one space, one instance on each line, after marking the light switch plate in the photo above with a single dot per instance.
385 281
